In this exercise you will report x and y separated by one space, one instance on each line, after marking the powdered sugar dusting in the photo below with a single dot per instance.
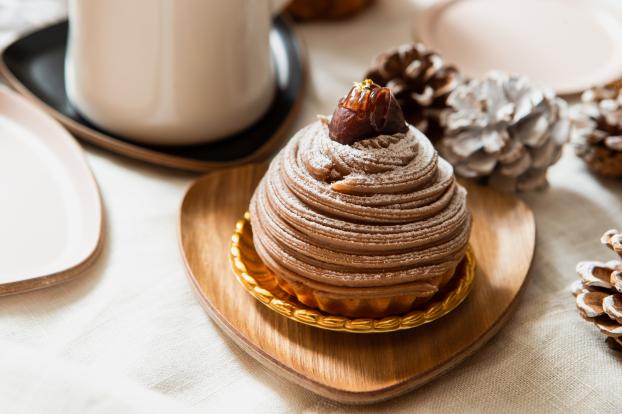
382 211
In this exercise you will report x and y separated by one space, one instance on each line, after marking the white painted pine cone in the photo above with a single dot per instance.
505 130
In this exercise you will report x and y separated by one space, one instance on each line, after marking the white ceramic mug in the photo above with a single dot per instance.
170 72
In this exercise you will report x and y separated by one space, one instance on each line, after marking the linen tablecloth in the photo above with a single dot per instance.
130 336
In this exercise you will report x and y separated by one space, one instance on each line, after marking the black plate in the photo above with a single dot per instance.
34 65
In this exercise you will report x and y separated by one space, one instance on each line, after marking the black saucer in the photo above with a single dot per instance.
34 65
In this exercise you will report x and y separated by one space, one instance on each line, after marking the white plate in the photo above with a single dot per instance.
50 207
569 45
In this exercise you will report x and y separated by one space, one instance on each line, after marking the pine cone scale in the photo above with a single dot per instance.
596 274
591 304
598 293
517 167
614 142
612 306
446 82
609 328
413 71
424 98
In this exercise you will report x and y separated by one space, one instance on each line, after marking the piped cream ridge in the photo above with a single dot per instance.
378 213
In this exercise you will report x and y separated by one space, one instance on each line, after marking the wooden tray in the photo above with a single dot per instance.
51 215
348 367
34 66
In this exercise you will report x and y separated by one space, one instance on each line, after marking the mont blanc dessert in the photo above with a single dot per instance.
358 215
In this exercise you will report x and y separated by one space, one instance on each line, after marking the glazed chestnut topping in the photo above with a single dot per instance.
367 111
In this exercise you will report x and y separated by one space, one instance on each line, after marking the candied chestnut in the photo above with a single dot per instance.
368 110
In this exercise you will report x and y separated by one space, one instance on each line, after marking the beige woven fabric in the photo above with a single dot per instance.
130 336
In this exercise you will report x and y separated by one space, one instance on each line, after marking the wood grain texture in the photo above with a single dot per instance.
347 367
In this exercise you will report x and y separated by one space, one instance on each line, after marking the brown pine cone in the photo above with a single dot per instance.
598 130
420 81
305 10
599 292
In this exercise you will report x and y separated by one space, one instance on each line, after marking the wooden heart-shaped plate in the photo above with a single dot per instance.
346 367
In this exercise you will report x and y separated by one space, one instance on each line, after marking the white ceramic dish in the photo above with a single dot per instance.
569 45
50 207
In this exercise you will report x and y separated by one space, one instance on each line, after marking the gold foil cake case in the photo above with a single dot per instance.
261 283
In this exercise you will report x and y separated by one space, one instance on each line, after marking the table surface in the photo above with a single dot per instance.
130 336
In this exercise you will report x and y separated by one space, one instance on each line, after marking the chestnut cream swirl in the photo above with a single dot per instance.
379 212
